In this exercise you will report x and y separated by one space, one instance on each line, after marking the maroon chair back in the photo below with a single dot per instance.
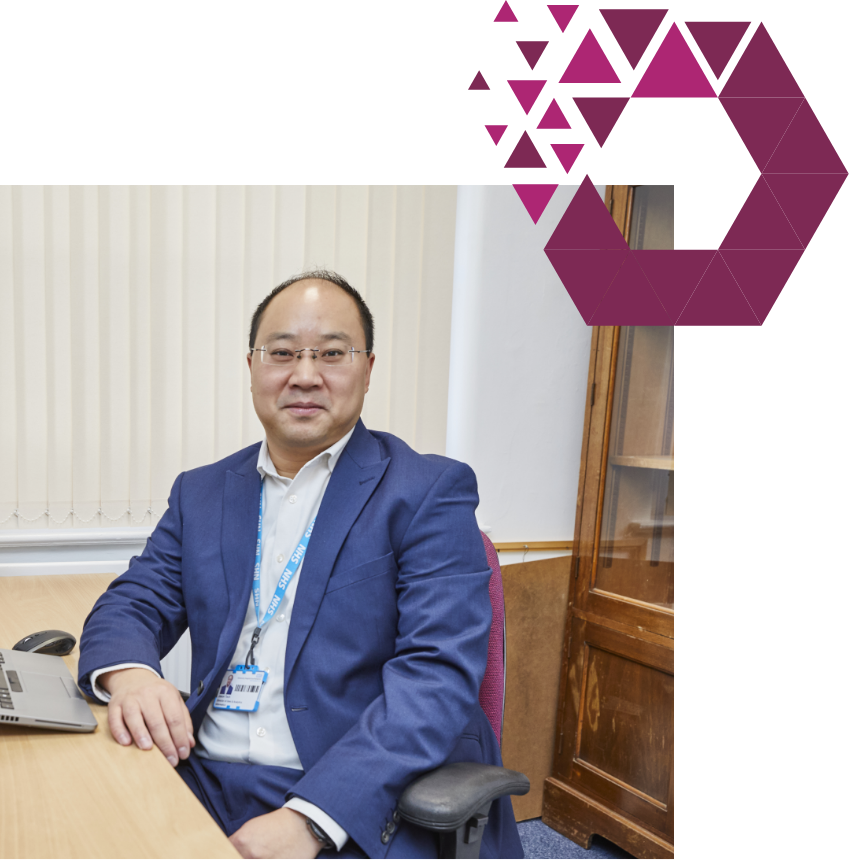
491 694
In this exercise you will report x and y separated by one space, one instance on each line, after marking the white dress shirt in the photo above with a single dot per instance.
264 737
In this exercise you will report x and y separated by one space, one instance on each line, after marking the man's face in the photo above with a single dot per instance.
308 406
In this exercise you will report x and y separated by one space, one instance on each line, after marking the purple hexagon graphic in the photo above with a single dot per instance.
739 282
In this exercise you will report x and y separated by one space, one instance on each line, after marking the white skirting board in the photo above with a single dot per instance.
53 552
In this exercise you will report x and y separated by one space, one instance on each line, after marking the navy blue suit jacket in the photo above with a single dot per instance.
388 638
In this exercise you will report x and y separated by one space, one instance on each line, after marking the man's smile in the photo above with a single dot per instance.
303 408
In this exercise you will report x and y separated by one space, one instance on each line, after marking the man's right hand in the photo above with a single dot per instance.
148 710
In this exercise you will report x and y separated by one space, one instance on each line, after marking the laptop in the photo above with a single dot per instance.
38 690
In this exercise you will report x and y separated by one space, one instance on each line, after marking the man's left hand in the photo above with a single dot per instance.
282 833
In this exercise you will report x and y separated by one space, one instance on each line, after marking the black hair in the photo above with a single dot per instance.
366 318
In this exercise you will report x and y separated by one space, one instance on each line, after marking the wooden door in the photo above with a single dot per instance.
613 766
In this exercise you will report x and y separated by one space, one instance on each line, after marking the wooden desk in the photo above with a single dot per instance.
83 795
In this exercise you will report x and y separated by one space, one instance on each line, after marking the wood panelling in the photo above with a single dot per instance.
518 546
535 604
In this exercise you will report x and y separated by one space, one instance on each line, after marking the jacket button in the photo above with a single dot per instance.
384 837
396 816
390 828
200 687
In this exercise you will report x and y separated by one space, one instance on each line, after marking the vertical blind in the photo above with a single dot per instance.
124 316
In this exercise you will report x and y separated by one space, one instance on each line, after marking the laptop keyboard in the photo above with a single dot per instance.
5 694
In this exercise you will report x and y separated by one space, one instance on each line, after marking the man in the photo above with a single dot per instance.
342 697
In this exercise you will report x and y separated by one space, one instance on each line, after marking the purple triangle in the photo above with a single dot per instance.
479 83
495 132
505 15
630 300
532 51
525 154
586 224
718 40
562 14
535 198
783 135
674 72
567 153
601 114
553 117
586 275
589 65
696 288
526 92
633 29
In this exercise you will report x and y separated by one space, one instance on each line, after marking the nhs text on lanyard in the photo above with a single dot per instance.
243 683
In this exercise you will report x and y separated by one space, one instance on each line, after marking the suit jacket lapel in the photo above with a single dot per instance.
354 479
238 549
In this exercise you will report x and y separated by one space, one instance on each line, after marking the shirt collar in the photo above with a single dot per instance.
331 455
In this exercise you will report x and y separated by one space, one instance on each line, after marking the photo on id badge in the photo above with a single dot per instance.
241 689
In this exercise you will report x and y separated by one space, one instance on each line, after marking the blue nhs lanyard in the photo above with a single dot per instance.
282 584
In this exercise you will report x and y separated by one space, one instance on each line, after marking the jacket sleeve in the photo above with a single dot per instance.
142 614
431 684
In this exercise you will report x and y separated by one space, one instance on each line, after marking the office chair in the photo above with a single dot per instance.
454 800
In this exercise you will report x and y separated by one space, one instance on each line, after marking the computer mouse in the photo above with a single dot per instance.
56 642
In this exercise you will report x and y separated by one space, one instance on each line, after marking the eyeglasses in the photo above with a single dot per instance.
328 356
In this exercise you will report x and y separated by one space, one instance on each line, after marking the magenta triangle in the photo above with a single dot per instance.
761 123
760 72
567 153
562 14
805 198
761 224
601 114
633 29
589 65
804 148
535 198
525 154
673 275
630 300
479 83
495 132
526 92
586 275
553 117
674 72
505 14
718 40
761 275
586 224
717 300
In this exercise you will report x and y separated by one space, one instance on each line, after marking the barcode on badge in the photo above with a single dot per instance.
246 688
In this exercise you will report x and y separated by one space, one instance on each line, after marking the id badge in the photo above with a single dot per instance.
240 689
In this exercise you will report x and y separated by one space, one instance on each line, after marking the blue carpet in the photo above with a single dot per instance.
540 841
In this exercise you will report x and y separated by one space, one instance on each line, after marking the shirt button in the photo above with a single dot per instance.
281 617
260 732
293 499
280 559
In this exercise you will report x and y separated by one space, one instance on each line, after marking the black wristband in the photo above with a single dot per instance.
320 835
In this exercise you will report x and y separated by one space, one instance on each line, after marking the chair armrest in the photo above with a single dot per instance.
447 797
